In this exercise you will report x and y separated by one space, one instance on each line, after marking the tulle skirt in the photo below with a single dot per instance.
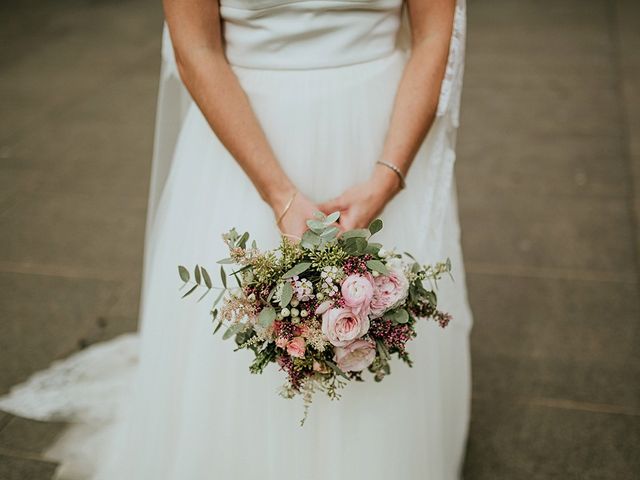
193 410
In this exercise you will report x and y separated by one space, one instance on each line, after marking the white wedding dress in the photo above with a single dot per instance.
175 402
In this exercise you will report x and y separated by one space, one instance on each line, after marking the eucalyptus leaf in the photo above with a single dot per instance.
375 226
218 326
218 298
330 233
242 243
226 261
267 316
355 245
184 273
310 239
232 330
206 277
204 294
358 232
383 350
223 276
196 274
190 291
336 369
332 218
372 249
378 266
287 294
315 225
401 316
297 269
271 294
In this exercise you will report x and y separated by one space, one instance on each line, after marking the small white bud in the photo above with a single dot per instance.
295 312
252 297
320 296
285 312
294 302
304 313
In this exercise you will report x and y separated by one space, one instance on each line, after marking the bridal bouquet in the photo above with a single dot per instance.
325 309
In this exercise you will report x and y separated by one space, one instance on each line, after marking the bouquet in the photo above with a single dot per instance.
324 309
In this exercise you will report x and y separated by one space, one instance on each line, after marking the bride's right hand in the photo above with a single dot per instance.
294 221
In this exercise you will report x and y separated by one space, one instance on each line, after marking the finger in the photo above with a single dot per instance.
346 224
333 205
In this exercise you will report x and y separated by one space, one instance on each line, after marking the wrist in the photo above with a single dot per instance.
279 195
386 182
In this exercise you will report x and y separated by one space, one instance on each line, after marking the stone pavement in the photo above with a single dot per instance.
548 178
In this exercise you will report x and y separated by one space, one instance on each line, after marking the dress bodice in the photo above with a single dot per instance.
303 34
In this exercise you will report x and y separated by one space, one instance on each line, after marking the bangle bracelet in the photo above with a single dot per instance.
287 207
396 170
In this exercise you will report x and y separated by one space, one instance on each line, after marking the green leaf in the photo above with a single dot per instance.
267 316
383 350
310 239
218 298
184 273
330 232
358 232
378 266
196 274
271 293
287 294
206 277
226 261
232 330
206 292
375 226
355 245
401 316
336 369
297 269
242 243
190 291
215 330
223 276
315 225
332 218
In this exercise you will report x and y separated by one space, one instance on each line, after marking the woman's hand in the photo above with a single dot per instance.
294 221
364 202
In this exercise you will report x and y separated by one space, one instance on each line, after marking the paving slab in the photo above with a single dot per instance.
24 435
45 318
540 231
507 444
19 468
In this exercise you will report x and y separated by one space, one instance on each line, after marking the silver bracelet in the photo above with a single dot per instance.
396 170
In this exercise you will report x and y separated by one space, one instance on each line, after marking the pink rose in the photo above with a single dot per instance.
341 326
281 342
296 347
357 292
356 356
389 291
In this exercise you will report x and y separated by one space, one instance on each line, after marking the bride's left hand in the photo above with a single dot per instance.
364 202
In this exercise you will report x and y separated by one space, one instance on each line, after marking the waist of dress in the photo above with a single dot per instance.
304 38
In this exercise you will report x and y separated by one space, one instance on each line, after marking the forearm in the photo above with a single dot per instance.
198 45
224 104
418 93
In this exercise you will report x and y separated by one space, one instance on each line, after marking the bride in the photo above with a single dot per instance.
293 106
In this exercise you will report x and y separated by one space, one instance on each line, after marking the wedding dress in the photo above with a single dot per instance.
175 402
